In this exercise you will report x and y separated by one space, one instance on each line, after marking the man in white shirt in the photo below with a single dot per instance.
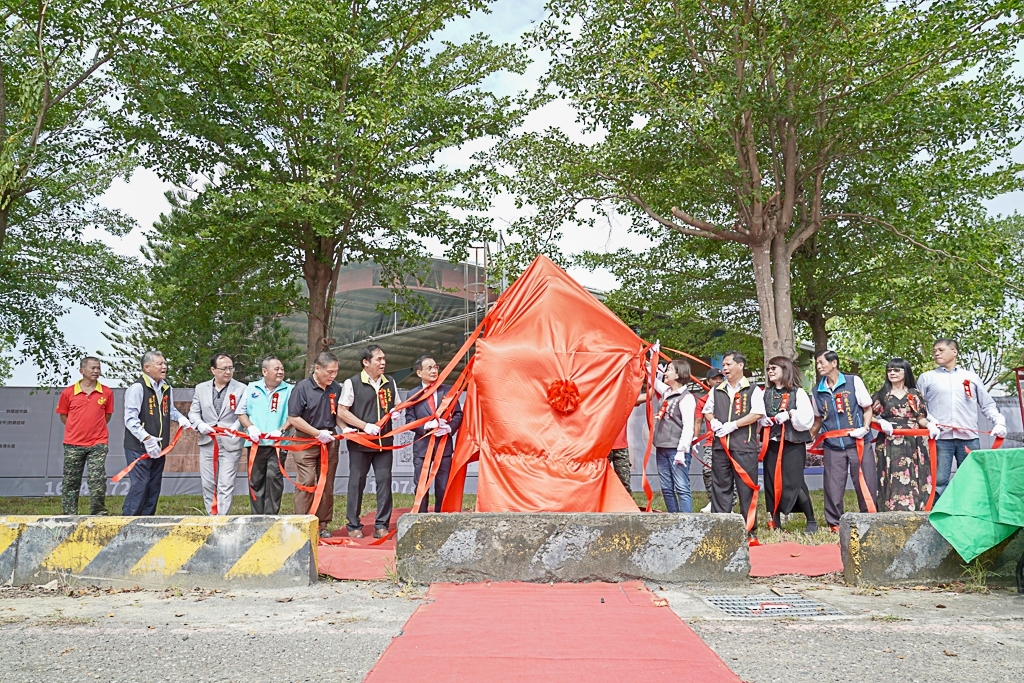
953 396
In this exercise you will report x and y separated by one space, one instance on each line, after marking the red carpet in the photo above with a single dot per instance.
530 633
792 558
358 559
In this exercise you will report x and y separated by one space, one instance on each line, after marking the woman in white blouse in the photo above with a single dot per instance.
787 423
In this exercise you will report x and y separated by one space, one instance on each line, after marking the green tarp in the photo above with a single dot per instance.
984 503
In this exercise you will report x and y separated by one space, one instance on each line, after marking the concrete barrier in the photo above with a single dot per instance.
250 551
542 547
902 548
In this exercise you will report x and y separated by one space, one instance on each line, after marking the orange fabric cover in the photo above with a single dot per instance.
533 458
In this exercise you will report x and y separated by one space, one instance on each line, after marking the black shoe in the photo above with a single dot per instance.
325 532
811 528
355 533
380 533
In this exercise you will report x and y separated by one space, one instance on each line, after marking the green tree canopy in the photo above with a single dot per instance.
739 131
315 129
198 302
57 155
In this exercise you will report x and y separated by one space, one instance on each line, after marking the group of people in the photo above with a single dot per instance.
745 419
782 419
269 411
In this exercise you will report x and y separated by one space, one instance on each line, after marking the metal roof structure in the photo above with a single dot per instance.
455 296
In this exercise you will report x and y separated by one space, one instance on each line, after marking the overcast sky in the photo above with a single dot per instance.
142 195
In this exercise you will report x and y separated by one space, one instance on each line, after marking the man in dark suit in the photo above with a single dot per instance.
426 369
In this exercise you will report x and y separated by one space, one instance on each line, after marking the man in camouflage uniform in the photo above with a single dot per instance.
85 409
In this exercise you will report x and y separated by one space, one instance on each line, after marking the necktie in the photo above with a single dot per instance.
432 403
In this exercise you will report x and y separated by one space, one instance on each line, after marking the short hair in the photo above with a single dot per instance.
87 359
682 369
325 358
216 357
366 355
418 365
951 343
737 357
265 363
830 355
790 375
149 356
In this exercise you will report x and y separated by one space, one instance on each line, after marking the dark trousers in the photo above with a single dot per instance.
359 463
307 472
440 481
145 479
724 478
266 482
839 463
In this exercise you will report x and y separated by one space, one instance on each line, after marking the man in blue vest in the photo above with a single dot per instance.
841 401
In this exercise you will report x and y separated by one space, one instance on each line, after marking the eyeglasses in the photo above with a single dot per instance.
894 369
773 367
230 368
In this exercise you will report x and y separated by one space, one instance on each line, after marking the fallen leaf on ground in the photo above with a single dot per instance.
284 599
948 653
940 606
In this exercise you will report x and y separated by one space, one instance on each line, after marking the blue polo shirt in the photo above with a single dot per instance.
266 409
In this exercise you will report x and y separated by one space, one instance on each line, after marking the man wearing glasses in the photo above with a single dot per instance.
426 369
213 405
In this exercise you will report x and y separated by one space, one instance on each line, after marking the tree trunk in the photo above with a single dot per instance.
320 279
774 300
819 334
4 213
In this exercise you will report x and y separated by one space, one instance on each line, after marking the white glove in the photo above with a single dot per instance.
782 417
766 422
885 426
433 424
349 430
999 430
444 428
203 428
395 414
276 434
184 423
715 425
153 447
254 433
680 458
371 429
859 433
324 436
933 430
726 429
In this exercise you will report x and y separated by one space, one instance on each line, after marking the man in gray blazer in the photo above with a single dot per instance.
214 404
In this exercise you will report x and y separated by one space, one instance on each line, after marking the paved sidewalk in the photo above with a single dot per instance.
896 635
337 631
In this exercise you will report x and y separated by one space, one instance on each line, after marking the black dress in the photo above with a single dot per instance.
794 495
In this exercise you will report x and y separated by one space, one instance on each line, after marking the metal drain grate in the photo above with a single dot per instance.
790 605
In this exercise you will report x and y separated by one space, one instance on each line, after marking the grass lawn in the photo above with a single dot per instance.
193 505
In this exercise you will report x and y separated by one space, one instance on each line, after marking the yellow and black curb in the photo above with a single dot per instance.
247 550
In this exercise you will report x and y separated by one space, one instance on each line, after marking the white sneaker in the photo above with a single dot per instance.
706 509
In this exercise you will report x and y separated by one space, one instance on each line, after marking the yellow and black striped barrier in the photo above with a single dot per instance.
245 551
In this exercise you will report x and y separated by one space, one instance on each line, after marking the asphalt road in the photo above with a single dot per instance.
337 631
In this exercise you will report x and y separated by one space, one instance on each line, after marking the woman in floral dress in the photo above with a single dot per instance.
904 473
